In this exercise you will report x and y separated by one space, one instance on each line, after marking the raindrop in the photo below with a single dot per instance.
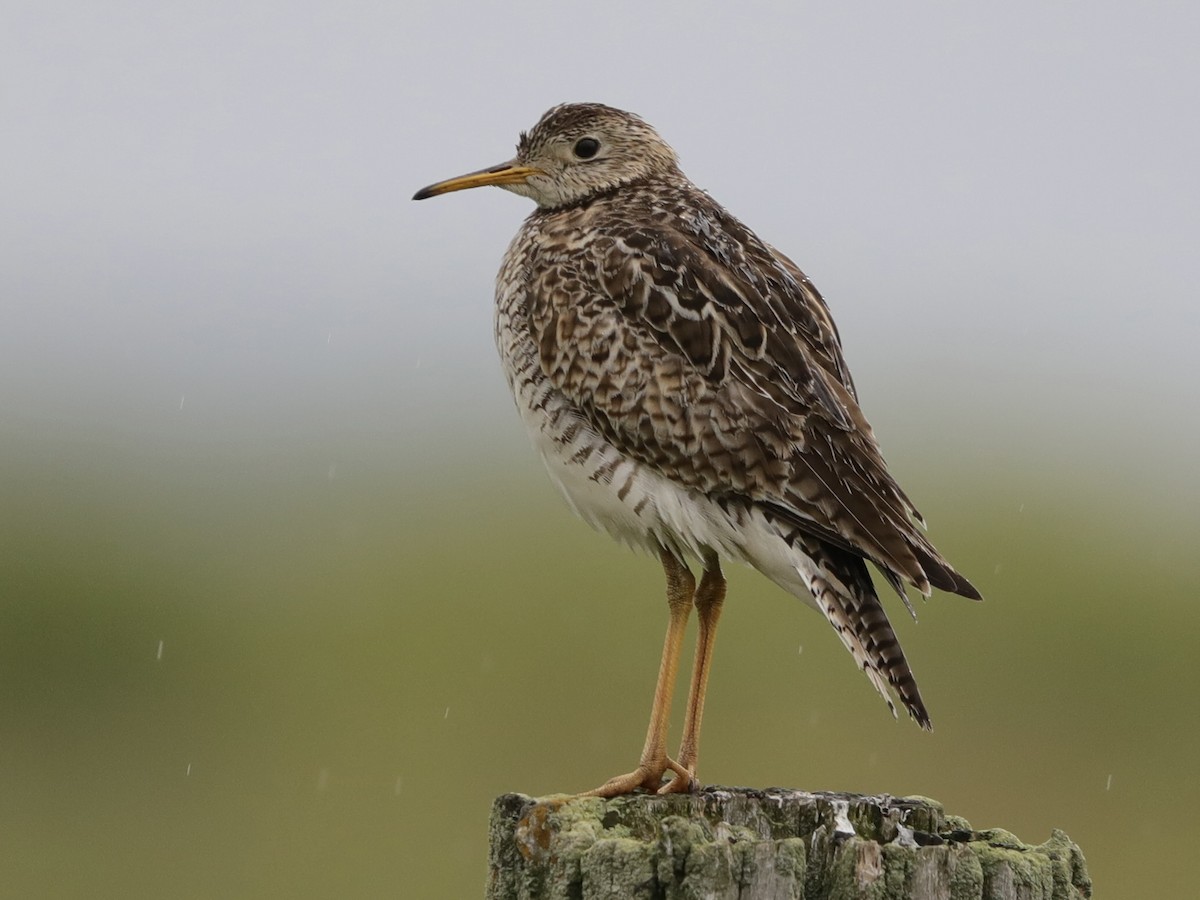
181 399
447 715
188 772
329 337
800 650
158 655
1108 786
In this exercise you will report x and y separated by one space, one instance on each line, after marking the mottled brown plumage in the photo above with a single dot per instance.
685 385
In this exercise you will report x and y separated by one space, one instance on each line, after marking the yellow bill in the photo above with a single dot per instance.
505 173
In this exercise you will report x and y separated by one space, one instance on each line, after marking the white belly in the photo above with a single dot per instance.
645 510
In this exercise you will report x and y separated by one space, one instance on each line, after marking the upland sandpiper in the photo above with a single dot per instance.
685 386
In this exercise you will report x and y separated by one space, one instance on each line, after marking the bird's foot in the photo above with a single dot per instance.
683 782
648 777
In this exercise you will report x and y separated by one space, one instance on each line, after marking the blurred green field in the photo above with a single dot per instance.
231 672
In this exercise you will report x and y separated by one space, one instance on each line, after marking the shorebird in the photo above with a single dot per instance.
684 384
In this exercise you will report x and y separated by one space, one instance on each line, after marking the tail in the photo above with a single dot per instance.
842 588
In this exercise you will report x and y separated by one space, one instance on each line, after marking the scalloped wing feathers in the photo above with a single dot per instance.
699 351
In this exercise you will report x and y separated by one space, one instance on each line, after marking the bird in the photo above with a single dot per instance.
685 386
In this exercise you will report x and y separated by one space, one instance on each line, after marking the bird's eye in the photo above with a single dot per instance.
586 148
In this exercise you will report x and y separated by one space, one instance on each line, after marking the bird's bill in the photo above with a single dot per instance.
505 173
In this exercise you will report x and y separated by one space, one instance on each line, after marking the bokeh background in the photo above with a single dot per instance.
285 599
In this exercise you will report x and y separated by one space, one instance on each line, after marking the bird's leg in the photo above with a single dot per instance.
681 587
708 599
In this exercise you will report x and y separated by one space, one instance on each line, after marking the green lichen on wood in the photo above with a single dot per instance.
743 844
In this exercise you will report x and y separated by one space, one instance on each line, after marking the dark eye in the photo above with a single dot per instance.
586 148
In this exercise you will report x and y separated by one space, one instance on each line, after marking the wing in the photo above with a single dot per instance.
700 351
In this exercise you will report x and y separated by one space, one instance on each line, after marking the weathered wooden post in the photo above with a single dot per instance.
774 844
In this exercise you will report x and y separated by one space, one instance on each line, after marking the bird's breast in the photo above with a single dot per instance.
606 487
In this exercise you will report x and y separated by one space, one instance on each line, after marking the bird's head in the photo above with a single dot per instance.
575 151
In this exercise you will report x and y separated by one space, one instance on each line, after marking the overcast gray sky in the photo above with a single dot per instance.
207 227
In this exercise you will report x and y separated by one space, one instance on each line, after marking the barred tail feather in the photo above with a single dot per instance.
833 580
841 585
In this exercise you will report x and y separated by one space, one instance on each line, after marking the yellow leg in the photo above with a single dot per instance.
708 599
681 587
